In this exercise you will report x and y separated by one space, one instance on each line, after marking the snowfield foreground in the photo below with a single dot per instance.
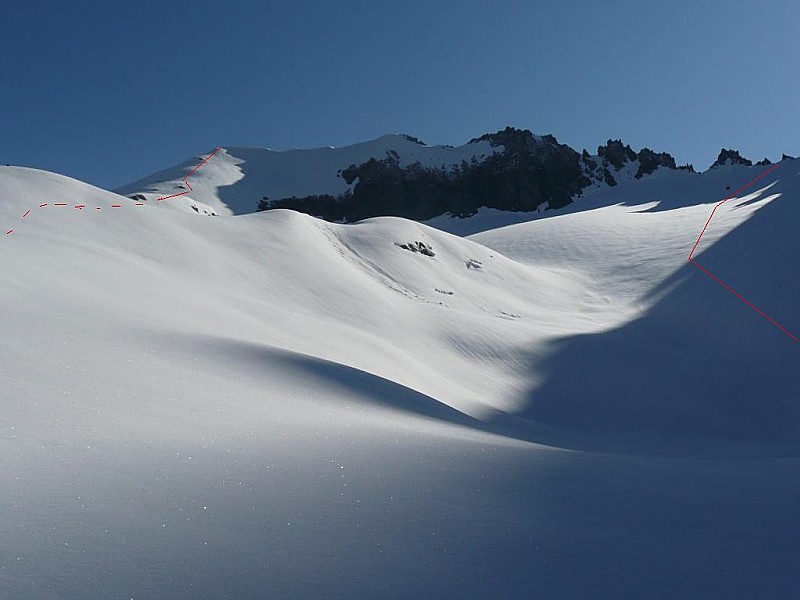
272 406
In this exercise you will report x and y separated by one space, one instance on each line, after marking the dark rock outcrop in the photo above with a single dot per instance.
526 173
649 161
616 153
731 157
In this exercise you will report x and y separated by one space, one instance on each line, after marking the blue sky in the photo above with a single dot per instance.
108 92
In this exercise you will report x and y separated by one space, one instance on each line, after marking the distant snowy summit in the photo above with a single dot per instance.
399 175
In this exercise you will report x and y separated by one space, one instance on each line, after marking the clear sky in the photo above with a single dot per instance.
111 91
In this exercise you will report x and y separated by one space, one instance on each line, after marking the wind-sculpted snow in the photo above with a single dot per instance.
270 405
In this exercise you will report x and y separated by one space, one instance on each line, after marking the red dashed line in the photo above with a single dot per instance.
717 279
172 196
184 179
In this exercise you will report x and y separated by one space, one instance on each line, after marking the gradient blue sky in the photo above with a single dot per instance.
108 92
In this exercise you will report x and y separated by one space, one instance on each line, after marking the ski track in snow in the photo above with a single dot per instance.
347 252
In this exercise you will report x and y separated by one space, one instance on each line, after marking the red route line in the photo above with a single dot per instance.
743 299
721 202
717 279
184 179
172 196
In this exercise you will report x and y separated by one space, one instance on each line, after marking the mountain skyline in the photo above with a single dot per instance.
400 175
108 96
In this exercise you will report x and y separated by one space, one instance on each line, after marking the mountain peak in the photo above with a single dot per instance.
616 153
731 157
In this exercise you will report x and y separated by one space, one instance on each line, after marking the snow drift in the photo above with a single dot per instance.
269 404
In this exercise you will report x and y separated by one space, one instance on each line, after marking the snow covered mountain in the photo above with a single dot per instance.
271 404
398 175
240 178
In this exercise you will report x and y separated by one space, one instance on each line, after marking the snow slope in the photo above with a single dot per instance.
670 188
238 178
269 405
694 359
